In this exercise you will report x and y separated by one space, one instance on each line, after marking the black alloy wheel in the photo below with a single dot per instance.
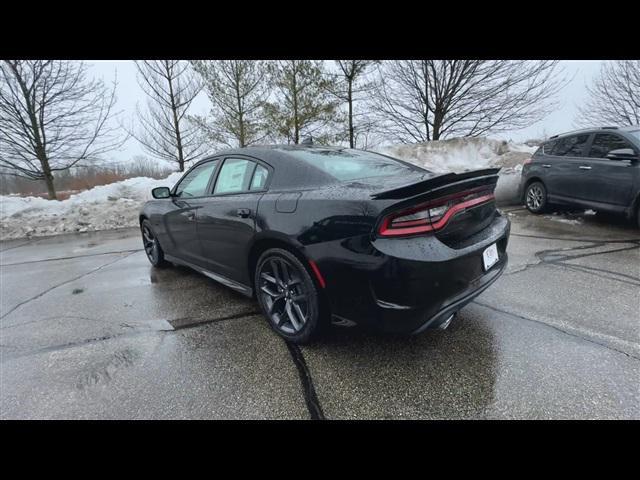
152 246
287 294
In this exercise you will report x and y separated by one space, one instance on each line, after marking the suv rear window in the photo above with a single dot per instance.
347 164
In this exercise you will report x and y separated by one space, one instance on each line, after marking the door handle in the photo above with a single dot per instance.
243 212
584 167
191 216
546 165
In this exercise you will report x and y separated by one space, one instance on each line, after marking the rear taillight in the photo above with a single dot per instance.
528 160
431 216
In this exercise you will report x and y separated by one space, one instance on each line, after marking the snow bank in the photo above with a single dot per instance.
105 207
459 154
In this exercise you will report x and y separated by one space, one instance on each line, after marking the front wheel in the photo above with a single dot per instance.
536 197
152 247
287 295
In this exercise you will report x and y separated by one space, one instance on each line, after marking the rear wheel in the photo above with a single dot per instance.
287 295
152 246
535 197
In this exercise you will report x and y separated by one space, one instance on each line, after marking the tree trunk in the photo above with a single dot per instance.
350 93
48 176
438 118
51 190
241 140
176 122
296 128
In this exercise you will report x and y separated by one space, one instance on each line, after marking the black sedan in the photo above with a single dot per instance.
327 234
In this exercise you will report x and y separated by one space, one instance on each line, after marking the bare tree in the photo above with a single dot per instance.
423 100
302 103
53 118
349 86
614 97
171 86
237 90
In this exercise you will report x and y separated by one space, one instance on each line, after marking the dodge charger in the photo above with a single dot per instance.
322 235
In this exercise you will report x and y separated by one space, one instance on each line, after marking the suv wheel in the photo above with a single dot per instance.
535 197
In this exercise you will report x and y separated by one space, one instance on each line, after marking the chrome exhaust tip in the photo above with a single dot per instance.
446 323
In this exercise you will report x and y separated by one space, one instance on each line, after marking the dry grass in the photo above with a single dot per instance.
70 182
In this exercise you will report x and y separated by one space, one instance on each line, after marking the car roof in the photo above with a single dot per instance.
291 172
629 128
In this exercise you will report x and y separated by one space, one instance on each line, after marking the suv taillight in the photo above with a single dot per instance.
431 216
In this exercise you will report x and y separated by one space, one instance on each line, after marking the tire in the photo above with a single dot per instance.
151 245
288 296
535 197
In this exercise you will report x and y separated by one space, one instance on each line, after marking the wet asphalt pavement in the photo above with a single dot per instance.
89 330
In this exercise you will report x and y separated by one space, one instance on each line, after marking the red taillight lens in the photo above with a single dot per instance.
528 160
431 216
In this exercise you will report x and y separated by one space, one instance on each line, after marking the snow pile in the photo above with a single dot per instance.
459 154
105 207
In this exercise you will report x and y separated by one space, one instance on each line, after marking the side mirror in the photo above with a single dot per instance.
622 154
161 192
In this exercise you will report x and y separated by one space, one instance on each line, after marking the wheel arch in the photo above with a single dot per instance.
276 240
269 240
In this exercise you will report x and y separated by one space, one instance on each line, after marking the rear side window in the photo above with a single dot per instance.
259 178
347 164
234 176
603 143
194 183
571 146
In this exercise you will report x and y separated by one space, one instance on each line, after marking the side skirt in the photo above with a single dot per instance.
574 202
227 282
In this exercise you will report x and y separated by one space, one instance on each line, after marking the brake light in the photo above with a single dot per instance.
432 216
528 160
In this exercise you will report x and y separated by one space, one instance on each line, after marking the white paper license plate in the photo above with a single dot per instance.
490 256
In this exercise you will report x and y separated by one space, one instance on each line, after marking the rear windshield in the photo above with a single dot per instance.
635 133
347 164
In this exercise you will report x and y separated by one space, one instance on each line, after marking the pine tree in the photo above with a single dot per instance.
302 104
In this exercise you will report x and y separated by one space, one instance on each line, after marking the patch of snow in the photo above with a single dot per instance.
116 205
460 154
562 219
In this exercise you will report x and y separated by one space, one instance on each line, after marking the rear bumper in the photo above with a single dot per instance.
408 285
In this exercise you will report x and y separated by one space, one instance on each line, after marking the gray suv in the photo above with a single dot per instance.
596 168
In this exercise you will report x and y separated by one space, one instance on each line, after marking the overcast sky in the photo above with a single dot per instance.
562 119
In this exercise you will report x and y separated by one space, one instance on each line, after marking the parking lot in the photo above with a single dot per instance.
90 330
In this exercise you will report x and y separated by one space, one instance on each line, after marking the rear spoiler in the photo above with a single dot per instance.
489 175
